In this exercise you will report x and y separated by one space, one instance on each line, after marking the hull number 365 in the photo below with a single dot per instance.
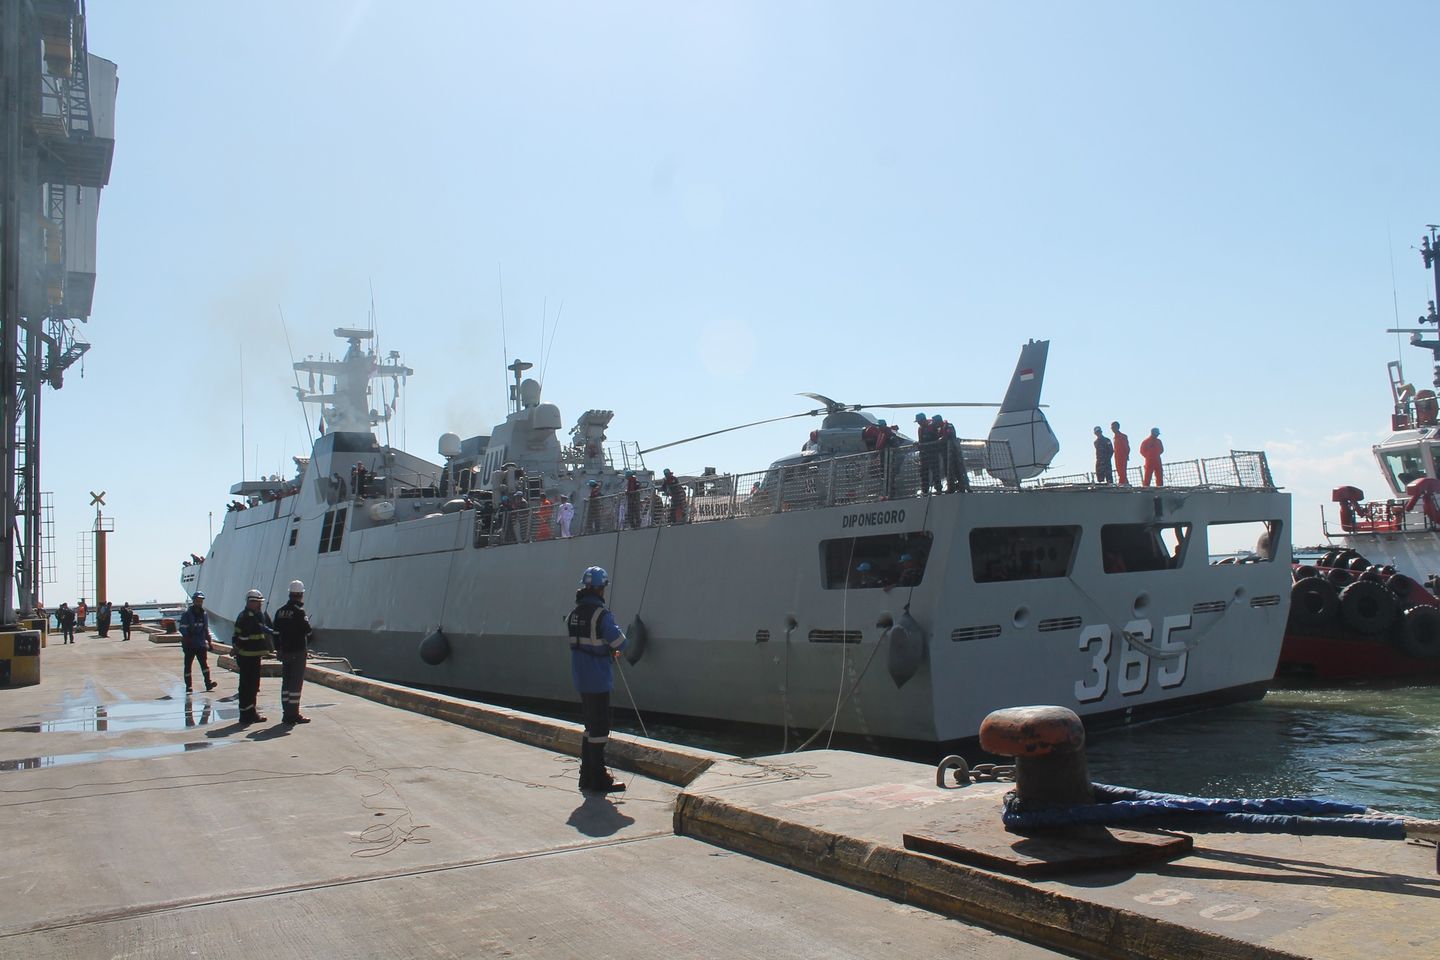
1132 666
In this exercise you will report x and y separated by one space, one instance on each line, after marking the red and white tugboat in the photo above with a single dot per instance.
1368 606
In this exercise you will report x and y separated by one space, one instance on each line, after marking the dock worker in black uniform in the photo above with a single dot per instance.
127 619
65 620
253 639
195 639
1104 451
595 642
292 643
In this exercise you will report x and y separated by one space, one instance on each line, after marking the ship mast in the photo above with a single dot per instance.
1429 252
346 408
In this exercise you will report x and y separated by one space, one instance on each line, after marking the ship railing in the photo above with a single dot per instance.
1378 517
1242 469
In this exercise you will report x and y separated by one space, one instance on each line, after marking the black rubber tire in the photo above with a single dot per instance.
1419 633
1303 571
1314 602
1401 586
1329 559
1339 576
1358 563
1370 575
1368 608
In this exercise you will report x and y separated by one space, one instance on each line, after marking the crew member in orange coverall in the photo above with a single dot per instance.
1122 454
1150 450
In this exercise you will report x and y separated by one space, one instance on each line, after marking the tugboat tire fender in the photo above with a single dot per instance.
1401 585
1314 601
1303 571
1419 634
1367 607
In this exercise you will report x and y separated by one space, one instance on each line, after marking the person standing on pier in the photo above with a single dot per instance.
595 642
127 618
102 619
252 640
65 620
1150 450
292 643
195 639
1104 450
1122 454
81 611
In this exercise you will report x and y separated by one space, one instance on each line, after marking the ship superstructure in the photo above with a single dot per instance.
821 592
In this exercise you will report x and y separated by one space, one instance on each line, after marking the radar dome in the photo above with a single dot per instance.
449 445
529 393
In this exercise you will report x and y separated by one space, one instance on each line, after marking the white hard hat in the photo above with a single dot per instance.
296 586
254 595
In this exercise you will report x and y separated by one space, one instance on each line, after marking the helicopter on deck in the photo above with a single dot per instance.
1019 446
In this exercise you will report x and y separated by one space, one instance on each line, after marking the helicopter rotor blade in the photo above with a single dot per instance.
743 426
897 406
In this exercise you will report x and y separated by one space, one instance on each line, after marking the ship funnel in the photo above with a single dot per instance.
1021 423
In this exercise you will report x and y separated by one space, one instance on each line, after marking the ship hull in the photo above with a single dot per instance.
741 626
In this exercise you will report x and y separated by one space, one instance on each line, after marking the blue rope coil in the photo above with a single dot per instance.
1117 806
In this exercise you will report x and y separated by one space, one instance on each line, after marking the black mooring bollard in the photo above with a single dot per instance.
1048 744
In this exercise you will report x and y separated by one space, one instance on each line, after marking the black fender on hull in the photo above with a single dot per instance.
907 649
635 639
435 648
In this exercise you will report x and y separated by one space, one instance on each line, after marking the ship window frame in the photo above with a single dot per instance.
1274 527
325 525
987 544
337 532
1120 558
1409 457
840 556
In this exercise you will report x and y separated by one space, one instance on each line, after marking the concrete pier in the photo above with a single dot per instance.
401 823
140 826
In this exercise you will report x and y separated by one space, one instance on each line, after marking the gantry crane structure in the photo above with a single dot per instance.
57 108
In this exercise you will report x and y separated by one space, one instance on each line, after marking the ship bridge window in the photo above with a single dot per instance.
891 560
1404 466
999 554
1137 547
1243 541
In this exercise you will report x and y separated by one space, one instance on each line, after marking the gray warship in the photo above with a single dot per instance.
824 592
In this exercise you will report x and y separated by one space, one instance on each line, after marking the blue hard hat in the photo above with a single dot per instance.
919 417
629 473
880 423
905 558
593 483
863 568
594 577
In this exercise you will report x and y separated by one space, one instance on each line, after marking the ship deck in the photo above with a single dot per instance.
143 828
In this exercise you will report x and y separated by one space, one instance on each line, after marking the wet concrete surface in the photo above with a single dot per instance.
370 832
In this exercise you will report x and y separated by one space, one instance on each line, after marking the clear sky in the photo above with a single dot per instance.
1199 205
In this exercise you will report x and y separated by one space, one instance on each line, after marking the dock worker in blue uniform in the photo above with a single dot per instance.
195 639
595 642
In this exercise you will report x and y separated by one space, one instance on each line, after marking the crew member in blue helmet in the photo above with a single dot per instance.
927 435
595 641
